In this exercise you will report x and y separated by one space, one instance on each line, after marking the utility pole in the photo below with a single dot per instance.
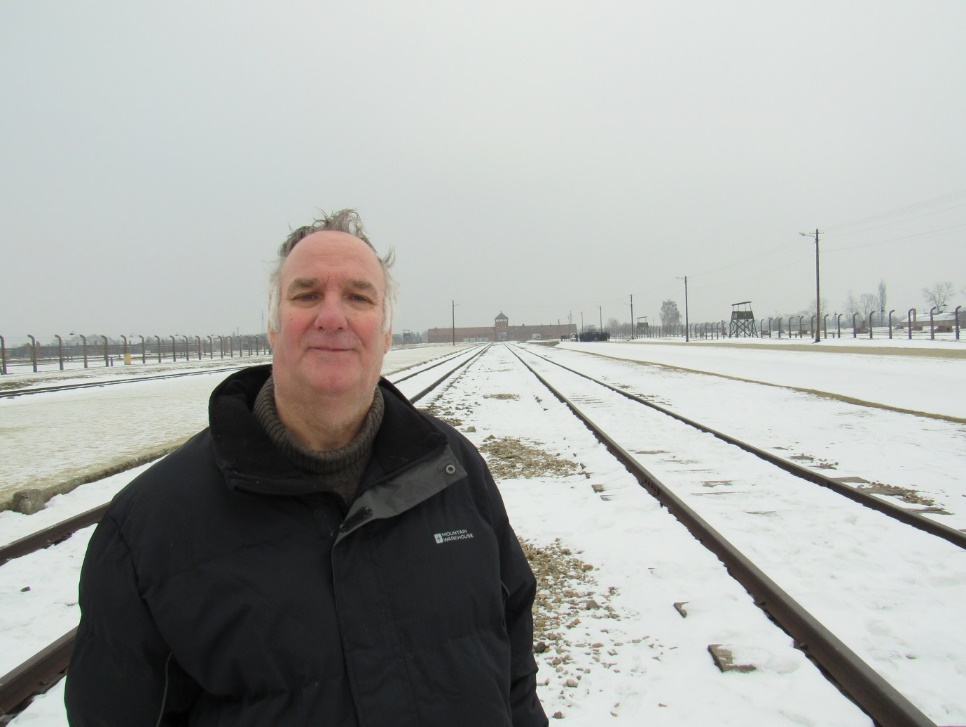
818 295
632 316
454 322
600 310
687 326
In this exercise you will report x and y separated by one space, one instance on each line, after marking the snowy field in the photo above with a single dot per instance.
878 584
825 430
917 375
53 437
630 656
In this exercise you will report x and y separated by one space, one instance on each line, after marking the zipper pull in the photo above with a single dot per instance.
357 518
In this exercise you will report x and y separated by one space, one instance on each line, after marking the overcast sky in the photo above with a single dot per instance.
536 157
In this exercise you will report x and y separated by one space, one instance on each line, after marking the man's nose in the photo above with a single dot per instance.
331 314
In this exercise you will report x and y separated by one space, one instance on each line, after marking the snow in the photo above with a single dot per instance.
804 536
921 379
636 659
663 673
838 438
97 427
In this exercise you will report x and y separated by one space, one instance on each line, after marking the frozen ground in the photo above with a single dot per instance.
918 375
880 585
919 459
53 437
633 657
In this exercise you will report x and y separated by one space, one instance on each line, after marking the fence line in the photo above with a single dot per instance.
804 327
99 351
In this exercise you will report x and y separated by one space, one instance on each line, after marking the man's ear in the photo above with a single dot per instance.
388 341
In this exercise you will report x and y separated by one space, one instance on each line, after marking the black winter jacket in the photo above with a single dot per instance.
206 601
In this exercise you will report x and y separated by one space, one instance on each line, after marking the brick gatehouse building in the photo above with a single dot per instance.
501 330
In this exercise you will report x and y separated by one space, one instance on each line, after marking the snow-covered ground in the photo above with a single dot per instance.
921 456
918 375
609 621
877 583
53 437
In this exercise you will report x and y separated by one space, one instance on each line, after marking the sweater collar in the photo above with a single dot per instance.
250 461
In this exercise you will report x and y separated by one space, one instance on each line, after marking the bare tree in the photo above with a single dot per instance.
938 294
868 302
670 315
616 328
809 310
852 306
882 295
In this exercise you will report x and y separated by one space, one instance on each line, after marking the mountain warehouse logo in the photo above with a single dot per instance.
452 535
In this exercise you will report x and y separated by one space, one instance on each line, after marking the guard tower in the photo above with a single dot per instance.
742 320
500 325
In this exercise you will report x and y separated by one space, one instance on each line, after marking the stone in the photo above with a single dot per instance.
28 501
724 659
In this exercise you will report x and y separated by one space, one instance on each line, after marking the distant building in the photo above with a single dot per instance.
942 322
501 330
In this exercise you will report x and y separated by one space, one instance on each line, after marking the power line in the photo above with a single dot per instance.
908 219
936 201
896 239
798 258
771 252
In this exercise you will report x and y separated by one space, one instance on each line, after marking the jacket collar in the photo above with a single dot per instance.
251 463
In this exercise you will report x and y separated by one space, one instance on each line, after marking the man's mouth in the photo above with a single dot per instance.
330 349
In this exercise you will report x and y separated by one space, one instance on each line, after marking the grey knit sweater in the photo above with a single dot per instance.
339 469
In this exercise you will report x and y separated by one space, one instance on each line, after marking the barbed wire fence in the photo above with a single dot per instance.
32 354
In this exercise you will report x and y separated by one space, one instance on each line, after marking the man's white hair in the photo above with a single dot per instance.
347 221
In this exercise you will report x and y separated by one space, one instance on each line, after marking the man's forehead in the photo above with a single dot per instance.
333 239
330 249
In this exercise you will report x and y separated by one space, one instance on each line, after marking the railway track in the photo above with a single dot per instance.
38 673
17 391
420 378
913 460
99 383
878 698
904 515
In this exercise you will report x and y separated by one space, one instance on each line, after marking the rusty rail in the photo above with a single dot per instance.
36 675
879 699
907 517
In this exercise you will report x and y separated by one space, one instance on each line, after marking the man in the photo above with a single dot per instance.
322 554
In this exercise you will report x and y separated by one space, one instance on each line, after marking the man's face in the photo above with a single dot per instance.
330 341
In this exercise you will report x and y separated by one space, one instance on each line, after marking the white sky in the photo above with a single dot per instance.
535 157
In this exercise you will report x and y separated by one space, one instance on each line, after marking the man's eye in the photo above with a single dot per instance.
306 296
